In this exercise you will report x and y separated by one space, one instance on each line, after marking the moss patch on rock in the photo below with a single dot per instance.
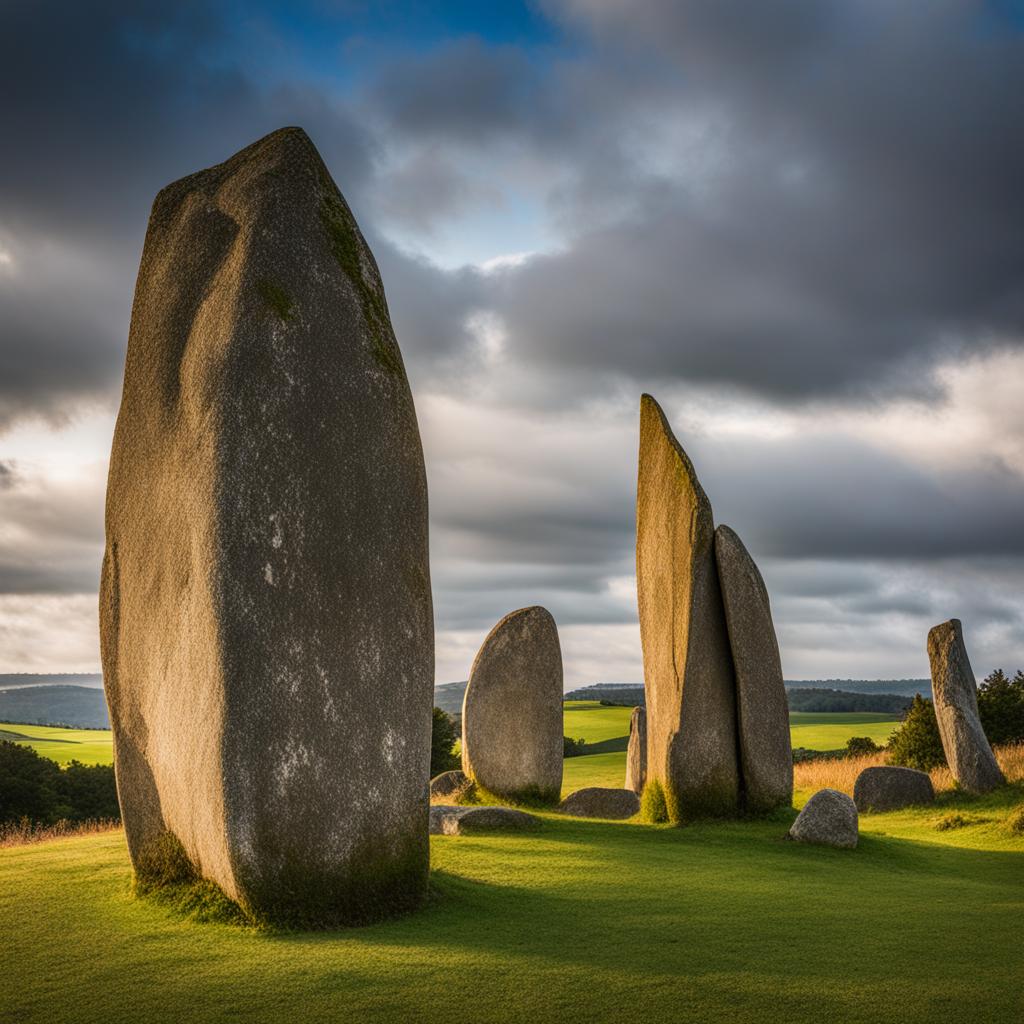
276 299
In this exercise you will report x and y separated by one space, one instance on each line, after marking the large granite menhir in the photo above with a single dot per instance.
636 751
265 610
765 748
955 693
692 758
512 742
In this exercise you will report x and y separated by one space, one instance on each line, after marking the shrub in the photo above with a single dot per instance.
571 747
442 742
1001 707
917 743
861 746
1015 822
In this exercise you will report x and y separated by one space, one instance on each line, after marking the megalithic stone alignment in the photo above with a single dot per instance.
955 692
765 748
636 751
265 609
688 674
512 710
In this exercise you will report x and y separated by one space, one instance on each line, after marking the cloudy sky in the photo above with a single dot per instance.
800 225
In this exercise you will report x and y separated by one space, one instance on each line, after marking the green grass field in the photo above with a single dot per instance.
580 921
90 746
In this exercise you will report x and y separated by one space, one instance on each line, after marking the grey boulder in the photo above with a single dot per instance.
448 820
636 751
762 710
512 741
599 802
265 608
829 818
955 692
888 788
692 754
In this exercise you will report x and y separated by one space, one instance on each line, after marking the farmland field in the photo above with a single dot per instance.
90 746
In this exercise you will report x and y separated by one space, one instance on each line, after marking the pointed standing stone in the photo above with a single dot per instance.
688 674
636 752
766 753
265 608
512 711
955 691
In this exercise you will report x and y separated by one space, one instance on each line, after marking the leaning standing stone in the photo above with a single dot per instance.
766 754
512 711
829 818
636 752
688 673
265 610
888 788
955 692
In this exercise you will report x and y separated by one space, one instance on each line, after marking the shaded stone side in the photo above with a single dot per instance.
955 693
265 609
512 710
636 752
762 710
688 675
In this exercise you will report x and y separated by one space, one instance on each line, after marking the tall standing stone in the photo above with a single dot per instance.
762 710
512 712
956 707
636 752
265 609
688 674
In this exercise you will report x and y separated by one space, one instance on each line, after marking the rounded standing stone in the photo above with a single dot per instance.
888 788
512 741
955 691
829 818
265 607
762 710
636 751
688 672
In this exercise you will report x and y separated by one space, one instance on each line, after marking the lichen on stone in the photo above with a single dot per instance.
276 299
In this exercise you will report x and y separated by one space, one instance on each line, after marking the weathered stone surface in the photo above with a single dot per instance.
829 818
449 820
636 752
688 674
265 606
955 692
888 788
512 711
762 711
449 784
598 802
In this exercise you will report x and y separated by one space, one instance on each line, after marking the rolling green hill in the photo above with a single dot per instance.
90 746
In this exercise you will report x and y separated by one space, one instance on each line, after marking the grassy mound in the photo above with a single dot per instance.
583 920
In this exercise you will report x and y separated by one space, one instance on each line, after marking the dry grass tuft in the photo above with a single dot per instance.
841 772
18 833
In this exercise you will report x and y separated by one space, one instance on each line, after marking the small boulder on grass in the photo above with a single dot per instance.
450 820
599 802
829 818
448 785
888 788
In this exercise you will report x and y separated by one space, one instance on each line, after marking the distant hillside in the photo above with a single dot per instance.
821 700
902 687
81 706
629 694
448 696
91 679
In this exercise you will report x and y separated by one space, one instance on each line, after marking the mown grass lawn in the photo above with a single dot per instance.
582 921
90 746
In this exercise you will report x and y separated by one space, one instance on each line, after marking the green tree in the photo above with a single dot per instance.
1001 707
861 746
442 740
917 743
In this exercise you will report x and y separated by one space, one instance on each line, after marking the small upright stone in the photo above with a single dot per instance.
889 788
265 608
829 818
955 692
636 752
512 713
688 675
766 754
